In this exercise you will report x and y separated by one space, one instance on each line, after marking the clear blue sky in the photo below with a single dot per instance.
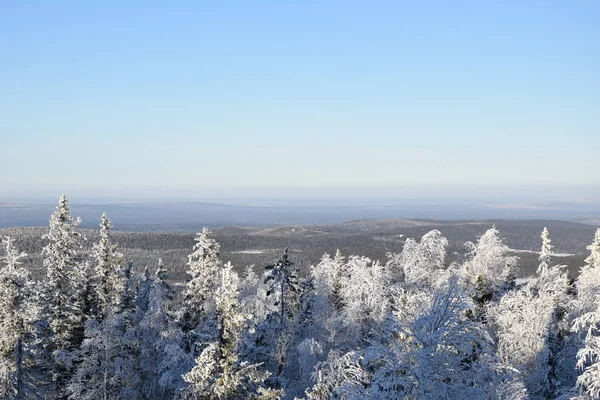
113 96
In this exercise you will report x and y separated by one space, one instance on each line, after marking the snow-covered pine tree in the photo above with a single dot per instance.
62 290
16 314
108 283
545 252
218 373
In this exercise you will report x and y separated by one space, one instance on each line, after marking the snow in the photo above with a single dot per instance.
351 328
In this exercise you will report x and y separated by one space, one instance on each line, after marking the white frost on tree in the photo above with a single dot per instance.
365 296
340 376
204 265
16 314
588 282
162 357
62 289
588 358
108 283
107 362
545 252
421 260
490 267
527 323
218 373
433 350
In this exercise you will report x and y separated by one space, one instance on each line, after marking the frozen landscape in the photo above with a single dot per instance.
299 200
172 317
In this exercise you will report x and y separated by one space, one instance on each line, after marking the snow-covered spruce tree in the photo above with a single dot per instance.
546 251
142 295
490 268
161 355
586 301
593 260
197 311
284 285
588 357
108 283
107 364
16 314
218 373
63 290
128 298
588 282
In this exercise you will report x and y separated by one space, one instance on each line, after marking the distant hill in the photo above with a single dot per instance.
190 216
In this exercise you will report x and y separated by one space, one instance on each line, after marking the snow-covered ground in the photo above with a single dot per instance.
537 252
250 251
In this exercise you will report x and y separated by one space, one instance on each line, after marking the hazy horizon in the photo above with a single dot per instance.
298 207
323 195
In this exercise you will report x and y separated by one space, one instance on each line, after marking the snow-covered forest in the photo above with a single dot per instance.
410 327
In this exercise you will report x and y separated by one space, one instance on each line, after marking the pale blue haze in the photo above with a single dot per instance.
146 97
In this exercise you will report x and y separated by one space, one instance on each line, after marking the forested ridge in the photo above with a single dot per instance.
427 323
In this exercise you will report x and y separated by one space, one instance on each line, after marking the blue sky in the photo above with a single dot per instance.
151 97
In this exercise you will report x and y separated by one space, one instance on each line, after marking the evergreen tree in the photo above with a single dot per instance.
16 314
196 316
283 279
588 358
109 280
588 282
161 355
593 260
63 290
218 373
107 364
545 252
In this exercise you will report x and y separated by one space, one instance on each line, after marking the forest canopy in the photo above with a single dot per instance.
412 327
